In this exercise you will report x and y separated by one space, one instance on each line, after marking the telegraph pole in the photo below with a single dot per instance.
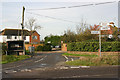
22 33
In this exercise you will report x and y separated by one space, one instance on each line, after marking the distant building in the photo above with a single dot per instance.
35 38
109 33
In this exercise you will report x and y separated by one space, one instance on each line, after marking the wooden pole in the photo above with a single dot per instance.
22 33
23 23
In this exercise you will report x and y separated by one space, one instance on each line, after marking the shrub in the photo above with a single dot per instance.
39 48
27 52
93 46
47 47
4 48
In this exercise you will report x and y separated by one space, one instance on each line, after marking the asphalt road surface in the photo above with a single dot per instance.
51 65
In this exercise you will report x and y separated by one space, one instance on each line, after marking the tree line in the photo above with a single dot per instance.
81 34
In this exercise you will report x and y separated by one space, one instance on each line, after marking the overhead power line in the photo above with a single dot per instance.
55 18
52 17
74 6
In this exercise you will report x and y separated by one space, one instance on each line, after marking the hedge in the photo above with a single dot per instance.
39 48
93 46
46 47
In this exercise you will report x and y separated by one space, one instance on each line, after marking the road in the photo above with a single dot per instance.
51 65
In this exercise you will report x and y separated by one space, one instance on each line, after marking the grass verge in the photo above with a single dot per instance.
86 55
93 60
13 58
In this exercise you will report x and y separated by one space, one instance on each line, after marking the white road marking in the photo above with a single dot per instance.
61 77
43 64
96 75
40 59
40 69
14 71
19 66
86 76
74 67
27 70
66 57
63 67
67 60
91 75
80 76
10 71
22 70
84 66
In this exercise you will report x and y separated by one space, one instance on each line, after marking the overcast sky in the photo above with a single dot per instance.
12 13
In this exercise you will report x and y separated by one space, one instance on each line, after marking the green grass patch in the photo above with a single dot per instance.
13 58
95 61
86 55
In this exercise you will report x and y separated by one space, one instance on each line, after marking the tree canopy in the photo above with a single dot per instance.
53 40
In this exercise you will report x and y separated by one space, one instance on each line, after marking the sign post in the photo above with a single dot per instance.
103 26
98 32
100 40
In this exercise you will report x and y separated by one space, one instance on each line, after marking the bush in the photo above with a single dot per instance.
93 46
27 52
4 48
47 47
39 48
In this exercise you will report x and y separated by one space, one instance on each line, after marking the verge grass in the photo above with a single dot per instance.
86 55
13 58
94 60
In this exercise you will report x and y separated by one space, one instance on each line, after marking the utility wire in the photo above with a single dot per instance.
60 19
52 17
74 6
66 7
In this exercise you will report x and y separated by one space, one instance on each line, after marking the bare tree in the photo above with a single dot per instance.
80 28
69 36
32 26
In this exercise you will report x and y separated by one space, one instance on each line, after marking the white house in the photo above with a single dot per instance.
13 35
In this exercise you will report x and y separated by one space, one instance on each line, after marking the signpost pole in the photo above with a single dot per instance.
103 26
